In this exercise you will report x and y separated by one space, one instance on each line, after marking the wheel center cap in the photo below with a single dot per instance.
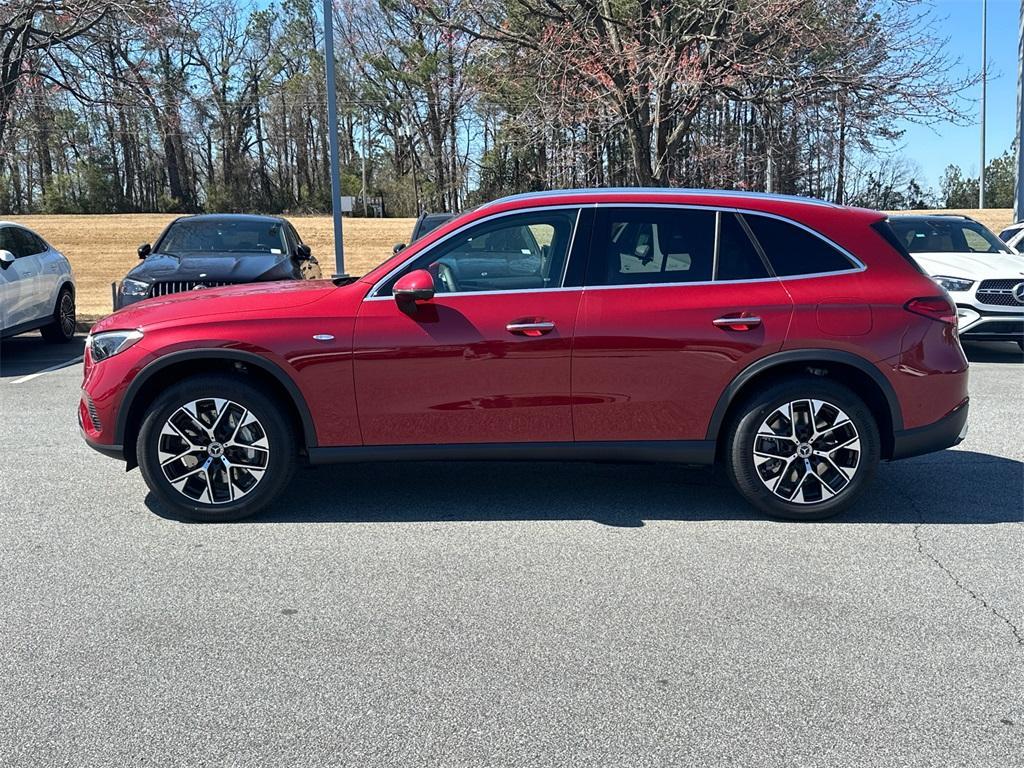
803 450
216 450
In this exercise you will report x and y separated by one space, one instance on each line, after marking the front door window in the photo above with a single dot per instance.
519 252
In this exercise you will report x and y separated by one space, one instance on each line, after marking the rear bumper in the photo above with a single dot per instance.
948 431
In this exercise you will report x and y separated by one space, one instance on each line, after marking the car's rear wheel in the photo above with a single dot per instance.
61 328
214 448
803 449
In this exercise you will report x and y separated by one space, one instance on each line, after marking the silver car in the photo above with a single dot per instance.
37 289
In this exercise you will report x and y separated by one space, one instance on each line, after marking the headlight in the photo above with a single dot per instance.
104 345
953 283
131 287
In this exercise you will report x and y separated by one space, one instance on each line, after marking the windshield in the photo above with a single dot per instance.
215 237
946 236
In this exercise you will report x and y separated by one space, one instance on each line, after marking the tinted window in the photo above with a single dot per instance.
509 253
21 242
737 257
7 242
792 250
428 222
27 243
636 246
937 235
223 236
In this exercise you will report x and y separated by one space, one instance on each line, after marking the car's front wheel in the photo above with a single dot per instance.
802 449
215 448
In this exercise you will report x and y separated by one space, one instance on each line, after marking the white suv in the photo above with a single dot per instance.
37 289
1013 236
983 275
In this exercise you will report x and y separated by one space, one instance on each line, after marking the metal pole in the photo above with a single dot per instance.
1018 203
984 74
332 127
366 131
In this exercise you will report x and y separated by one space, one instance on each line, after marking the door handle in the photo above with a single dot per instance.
538 328
737 323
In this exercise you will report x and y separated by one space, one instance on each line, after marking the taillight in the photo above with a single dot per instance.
939 308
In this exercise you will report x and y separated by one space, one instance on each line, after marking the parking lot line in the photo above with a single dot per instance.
51 369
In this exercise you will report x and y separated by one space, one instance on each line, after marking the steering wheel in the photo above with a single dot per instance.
446 277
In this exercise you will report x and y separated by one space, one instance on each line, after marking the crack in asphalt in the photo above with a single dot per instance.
963 587
952 576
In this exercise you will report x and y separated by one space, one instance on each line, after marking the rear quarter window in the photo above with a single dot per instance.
793 251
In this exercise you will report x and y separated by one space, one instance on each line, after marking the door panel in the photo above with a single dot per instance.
24 296
650 363
450 371
659 337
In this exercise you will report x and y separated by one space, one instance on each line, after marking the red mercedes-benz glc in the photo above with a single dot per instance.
793 341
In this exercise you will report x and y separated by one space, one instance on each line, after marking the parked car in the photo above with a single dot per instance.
984 276
211 250
425 222
37 288
793 341
1013 236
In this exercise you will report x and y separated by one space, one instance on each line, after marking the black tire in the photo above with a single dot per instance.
753 413
279 436
61 329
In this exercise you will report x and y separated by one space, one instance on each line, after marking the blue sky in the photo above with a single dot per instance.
934 147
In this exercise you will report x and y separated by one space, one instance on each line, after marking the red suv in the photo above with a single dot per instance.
793 341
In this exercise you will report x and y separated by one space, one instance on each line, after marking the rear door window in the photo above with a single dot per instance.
738 259
793 251
641 246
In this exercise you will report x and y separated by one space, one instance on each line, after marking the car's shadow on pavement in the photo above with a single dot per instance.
993 352
28 354
949 487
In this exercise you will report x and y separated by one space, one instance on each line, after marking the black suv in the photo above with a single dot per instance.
217 249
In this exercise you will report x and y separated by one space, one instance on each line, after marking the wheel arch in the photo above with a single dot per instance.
170 368
853 371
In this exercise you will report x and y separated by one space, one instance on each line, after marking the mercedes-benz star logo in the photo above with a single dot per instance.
1018 293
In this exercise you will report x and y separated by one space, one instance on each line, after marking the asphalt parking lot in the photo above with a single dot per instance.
454 614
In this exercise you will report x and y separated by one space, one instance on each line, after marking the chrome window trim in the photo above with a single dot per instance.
374 296
859 265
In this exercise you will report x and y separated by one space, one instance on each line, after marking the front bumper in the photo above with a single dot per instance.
948 431
976 322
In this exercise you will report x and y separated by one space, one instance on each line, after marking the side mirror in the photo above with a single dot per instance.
144 250
417 285
397 247
303 252
6 259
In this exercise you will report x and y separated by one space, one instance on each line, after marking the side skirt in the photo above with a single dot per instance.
674 451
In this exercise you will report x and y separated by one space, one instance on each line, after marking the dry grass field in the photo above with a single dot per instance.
102 248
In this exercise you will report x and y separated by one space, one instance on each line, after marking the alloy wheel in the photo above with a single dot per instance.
213 451
66 313
807 451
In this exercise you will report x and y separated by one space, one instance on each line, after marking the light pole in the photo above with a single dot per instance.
984 74
332 128
1018 202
